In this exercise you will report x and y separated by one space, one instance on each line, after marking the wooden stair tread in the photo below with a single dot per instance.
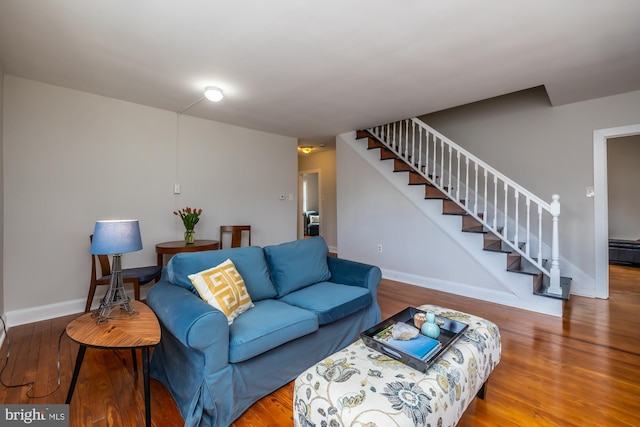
542 288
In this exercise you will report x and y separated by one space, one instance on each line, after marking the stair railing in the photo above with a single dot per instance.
502 206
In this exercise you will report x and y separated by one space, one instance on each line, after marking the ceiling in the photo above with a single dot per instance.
314 69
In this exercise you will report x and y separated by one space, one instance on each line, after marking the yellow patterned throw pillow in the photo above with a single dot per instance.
223 288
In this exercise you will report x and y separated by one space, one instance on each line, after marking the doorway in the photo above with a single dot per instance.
601 203
309 208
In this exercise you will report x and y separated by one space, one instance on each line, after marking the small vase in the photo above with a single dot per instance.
189 236
429 328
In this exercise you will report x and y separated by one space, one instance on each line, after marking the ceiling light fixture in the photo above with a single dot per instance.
306 150
213 94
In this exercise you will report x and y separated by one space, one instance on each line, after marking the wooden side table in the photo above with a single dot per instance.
122 331
172 248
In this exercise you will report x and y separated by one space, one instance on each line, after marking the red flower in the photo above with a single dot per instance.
190 217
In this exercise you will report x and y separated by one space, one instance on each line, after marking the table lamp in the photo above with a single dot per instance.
115 238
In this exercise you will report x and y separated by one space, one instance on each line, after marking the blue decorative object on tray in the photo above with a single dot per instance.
429 328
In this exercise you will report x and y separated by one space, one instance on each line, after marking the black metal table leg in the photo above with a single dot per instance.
147 391
76 370
135 363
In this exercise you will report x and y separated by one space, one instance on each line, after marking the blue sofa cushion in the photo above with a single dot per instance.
297 264
249 261
330 301
266 326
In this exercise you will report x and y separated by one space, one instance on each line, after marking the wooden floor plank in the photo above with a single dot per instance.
579 370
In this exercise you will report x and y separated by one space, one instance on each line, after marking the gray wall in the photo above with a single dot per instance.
623 179
71 158
548 150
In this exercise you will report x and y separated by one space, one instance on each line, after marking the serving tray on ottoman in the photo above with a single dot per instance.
450 331
360 386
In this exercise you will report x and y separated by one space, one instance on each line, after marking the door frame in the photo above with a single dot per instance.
601 203
300 222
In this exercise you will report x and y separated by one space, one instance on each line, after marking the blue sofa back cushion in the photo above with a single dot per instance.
295 265
249 261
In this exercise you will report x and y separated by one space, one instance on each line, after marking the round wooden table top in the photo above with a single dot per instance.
170 248
121 331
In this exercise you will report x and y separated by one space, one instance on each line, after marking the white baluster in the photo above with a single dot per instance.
485 195
420 149
516 236
406 140
442 164
466 179
413 144
539 234
528 203
426 154
506 208
449 184
495 203
458 175
475 200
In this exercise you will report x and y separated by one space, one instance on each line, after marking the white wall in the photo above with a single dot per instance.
71 158
623 176
325 162
372 212
313 191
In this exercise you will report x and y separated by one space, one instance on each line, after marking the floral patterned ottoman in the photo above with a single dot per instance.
359 386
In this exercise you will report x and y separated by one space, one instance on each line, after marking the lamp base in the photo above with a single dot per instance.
115 296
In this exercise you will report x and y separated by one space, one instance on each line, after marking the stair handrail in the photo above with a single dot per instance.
403 145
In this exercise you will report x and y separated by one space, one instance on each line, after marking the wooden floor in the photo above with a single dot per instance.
579 370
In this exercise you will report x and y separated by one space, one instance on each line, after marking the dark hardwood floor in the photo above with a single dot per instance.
579 370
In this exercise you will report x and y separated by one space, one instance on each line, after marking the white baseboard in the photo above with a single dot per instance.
537 304
51 311
2 334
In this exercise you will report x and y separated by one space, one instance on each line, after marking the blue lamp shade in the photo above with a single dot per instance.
116 237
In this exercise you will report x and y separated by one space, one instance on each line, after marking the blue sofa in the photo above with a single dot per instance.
306 307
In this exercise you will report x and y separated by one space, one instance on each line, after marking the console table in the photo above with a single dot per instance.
172 248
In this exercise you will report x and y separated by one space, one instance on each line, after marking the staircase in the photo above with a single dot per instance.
512 220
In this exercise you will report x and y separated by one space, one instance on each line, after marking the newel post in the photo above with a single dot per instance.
554 286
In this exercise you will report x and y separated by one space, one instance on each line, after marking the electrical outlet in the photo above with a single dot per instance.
379 248
590 192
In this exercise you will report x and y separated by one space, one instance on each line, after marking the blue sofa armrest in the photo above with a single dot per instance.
189 319
355 273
